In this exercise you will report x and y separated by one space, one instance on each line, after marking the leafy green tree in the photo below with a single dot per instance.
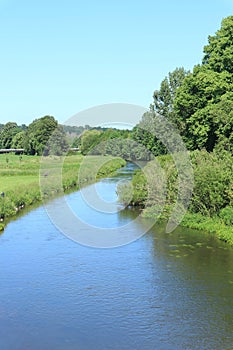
19 140
219 51
38 134
198 98
164 97
222 116
90 139
143 136
194 98
57 144
163 104
7 134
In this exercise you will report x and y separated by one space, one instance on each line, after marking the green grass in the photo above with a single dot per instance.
211 225
28 179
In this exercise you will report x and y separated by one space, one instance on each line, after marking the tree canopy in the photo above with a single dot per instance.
7 133
38 134
199 103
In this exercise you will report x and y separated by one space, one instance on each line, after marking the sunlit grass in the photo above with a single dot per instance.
25 180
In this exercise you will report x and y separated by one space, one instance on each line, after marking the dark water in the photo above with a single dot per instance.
163 291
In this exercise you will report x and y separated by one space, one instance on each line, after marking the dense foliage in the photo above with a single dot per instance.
199 103
205 97
200 106
43 136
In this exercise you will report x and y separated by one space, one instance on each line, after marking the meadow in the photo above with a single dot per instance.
26 180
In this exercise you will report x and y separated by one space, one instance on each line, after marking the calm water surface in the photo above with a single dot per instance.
163 291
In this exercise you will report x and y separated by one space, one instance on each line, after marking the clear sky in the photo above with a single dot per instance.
61 57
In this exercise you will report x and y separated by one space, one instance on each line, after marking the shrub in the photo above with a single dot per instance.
226 214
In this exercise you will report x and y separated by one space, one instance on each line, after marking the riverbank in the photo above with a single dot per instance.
214 226
20 179
156 188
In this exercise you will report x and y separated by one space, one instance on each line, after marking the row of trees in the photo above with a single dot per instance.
198 103
45 136
42 136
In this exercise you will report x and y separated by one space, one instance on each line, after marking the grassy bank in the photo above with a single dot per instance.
20 183
215 225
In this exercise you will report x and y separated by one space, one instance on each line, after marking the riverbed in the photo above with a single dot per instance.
162 291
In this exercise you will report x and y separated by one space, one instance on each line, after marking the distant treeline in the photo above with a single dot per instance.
42 136
45 136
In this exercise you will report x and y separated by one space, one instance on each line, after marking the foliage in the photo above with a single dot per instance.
89 140
19 140
7 134
162 106
114 142
205 93
194 102
198 103
57 144
219 51
136 193
226 214
146 138
213 225
38 134
164 97
213 182
213 189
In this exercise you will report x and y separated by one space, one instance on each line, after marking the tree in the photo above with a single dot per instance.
89 140
19 140
219 52
38 134
57 144
163 105
222 116
143 136
201 92
7 134
164 97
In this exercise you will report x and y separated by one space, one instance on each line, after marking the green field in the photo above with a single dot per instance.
26 180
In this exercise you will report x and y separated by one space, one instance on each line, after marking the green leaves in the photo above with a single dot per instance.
219 52
164 97
7 134
38 134
199 101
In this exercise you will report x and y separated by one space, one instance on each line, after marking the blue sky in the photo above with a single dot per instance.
61 57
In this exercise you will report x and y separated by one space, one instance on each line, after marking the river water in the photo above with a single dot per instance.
163 291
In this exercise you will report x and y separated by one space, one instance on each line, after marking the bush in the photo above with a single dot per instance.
226 214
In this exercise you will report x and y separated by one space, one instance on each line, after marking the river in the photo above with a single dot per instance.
162 291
